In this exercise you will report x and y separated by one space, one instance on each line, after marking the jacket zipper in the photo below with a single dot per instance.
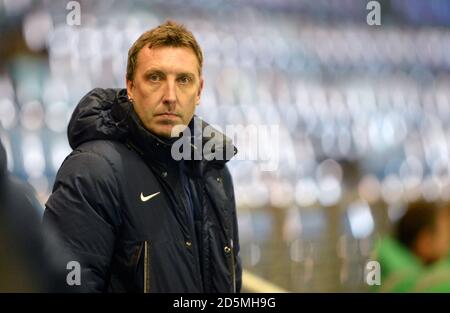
146 268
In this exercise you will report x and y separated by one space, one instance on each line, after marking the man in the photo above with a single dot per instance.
138 218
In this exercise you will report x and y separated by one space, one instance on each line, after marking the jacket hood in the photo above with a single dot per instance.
94 118
108 114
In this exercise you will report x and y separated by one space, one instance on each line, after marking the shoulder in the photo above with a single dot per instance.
108 153
110 150
224 174
97 159
28 199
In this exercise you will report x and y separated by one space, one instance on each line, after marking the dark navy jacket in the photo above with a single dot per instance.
120 205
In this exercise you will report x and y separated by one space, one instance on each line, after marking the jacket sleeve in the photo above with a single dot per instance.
236 246
83 209
237 253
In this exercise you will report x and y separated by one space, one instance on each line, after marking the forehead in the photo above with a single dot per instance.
167 59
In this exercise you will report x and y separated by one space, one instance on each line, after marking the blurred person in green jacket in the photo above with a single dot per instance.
414 259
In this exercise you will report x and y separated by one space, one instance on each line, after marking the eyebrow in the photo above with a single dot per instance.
153 71
189 74
157 71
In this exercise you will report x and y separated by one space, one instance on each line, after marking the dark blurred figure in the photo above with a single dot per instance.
424 230
30 260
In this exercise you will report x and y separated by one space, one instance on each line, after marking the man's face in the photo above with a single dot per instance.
166 88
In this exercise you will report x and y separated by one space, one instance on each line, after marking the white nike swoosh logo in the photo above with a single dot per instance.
146 198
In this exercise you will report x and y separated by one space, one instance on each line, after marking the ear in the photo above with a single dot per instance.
199 93
130 87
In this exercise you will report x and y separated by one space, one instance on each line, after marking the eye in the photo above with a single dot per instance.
184 80
154 77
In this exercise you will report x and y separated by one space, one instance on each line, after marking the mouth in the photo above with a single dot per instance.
168 115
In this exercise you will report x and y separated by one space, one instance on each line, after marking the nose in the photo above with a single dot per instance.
169 97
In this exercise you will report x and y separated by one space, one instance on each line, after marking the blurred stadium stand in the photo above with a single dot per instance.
363 111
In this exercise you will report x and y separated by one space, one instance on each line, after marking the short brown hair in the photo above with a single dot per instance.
168 34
